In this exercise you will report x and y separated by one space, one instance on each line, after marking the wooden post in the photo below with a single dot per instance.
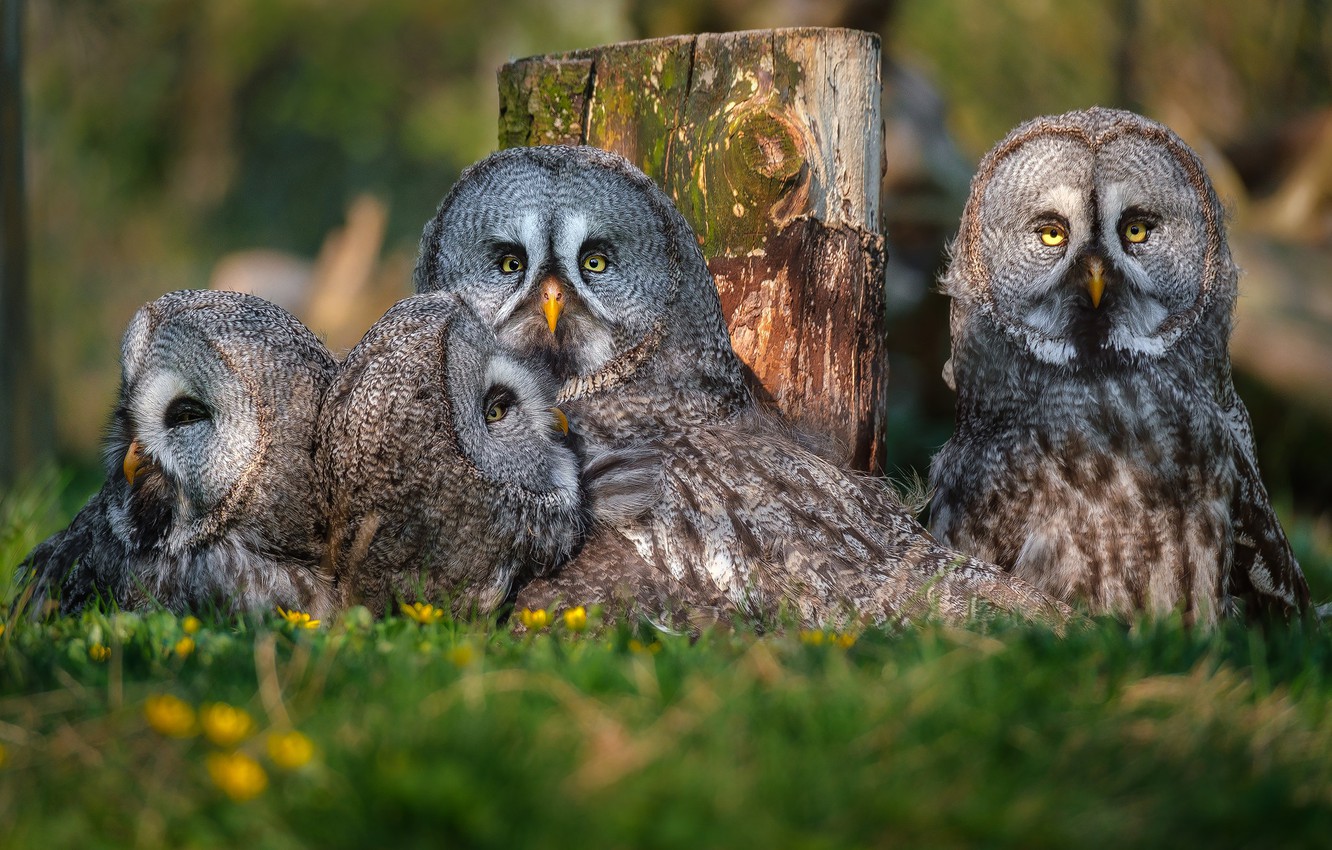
771 144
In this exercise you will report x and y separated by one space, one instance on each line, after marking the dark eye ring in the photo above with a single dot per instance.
186 411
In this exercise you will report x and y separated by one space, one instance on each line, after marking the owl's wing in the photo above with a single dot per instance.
65 565
620 485
766 528
1264 572
610 572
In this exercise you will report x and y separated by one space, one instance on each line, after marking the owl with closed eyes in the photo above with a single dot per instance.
209 499
1100 450
444 464
580 263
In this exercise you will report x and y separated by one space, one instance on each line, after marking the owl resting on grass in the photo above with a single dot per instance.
1100 450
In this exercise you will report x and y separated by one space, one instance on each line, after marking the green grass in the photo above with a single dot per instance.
462 734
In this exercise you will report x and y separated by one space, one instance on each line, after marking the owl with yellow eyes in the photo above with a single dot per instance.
1100 450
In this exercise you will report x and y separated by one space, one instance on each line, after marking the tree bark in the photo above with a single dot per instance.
771 144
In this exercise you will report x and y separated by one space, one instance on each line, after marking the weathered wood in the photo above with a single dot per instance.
770 143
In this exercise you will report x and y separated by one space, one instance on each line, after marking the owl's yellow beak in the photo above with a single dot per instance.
133 461
1096 280
552 301
561 421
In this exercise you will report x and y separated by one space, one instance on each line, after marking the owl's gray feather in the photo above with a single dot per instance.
641 345
218 396
1100 450
748 523
744 519
427 497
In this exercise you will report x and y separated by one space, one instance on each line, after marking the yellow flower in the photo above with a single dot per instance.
813 637
289 750
845 641
184 646
97 652
298 619
170 716
2 628
190 625
423 612
575 619
534 620
461 655
239 776
225 725
636 645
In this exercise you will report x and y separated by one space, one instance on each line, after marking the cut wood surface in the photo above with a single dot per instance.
771 144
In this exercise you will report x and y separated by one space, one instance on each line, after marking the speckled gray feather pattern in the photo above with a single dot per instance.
741 519
751 523
223 512
642 347
427 499
1101 453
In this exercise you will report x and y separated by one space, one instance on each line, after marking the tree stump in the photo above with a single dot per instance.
771 144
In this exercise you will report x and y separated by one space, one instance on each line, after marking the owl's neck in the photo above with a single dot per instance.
677 377
1001 385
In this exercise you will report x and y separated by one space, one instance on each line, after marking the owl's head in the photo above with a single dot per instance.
213 431
571 253
445 463
1094 238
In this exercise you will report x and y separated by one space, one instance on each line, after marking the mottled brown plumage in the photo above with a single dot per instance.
749 523
442 469
209 499
579 262
1100 450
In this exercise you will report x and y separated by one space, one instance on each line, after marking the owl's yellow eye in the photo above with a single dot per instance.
1136 231
510 264
595 262
1053 235
496 411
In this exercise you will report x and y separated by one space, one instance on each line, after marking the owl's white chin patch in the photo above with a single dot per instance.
1136 330
1056 352
1146 346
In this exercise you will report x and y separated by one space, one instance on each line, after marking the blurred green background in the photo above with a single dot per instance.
297 147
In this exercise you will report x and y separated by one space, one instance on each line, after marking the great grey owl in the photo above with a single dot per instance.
576 258
1100 450
444 464
580 262
209 499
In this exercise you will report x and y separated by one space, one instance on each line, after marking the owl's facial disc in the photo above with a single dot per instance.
187 432
505 416
557 318
573 270
153 495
